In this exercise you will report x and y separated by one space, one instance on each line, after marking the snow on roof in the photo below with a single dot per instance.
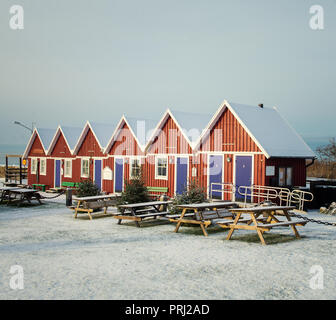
103 132
71 135
271 131
192 124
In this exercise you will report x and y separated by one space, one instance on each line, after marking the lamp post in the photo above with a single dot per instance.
24 126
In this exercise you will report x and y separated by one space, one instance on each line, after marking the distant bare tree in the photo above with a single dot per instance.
325 166
328 152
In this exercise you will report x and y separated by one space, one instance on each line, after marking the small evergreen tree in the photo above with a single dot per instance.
87 188
195 194
135 191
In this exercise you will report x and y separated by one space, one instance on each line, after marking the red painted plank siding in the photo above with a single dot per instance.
298 165
61 149
229 135
170 140
125 144
90 146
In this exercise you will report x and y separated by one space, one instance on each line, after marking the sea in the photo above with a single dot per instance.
313 143
10 149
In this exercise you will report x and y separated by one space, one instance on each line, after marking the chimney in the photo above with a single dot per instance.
261 105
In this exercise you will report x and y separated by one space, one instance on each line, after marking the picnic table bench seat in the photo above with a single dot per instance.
91 203
149 209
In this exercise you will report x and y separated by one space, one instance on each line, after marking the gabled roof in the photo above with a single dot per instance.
71 135
139 128
101 131
45 136
192 125
269 130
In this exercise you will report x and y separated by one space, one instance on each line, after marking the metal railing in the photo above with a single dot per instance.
259 194
300 197
223 188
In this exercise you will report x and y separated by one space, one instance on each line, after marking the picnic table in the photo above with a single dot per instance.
140 211
21 195
5 192
268 222
89 204
203 214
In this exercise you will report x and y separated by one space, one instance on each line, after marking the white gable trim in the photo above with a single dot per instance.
225 104
83 136
30 143
161 123
116 133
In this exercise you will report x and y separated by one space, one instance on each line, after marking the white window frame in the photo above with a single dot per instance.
44 172
88 174
32 162
159 177
132 160
65 167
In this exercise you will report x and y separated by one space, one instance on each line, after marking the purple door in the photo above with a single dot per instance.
243 174
98 171
215 176
118 171
181 175
57 173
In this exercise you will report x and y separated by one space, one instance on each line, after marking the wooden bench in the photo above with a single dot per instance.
39 186
64 185
160 190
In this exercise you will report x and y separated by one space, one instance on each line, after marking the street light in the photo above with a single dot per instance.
24 126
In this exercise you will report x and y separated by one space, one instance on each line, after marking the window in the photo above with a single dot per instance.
285 176
135 168
68 168
85 168
43 166
33 167
161 168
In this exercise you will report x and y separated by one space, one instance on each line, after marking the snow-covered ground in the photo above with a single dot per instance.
64 258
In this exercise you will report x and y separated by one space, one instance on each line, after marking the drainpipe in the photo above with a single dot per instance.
309 164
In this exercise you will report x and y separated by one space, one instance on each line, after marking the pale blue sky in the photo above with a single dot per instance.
94 60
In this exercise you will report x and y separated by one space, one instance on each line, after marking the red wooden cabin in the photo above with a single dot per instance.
169 151
61 152
89 152
40 167
125 152
251 145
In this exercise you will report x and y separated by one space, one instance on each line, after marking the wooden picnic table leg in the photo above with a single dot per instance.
232 227
89 213
297 235
76 212
260 233
133 212
203 229
179 222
